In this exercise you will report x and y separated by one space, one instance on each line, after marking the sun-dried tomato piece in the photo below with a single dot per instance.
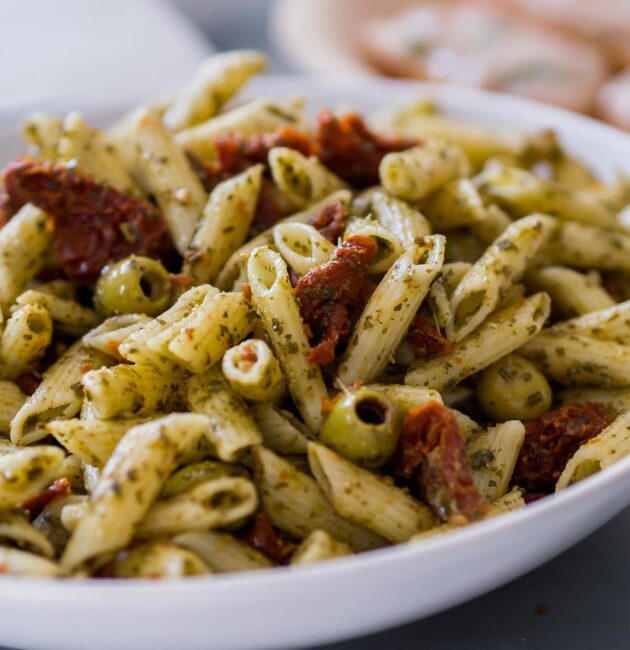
28 382
264 538
427 339
347 147
330 295
550 442
269 209
330 221
58 488
431 456
93 223
7 209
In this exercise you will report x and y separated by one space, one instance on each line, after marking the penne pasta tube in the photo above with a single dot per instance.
107 336
398 217
253 372
319 546
199 341
367 499
129 483
24 241
92 441
301 180
228 278
390 310
222 552
42 132
584 246
296 505
492 456
231 430
520 193
417 172
606 448
88 150
611 324
26 336
21 563
135 347
485 284
223 226
572 293
215 81
25 473
68 315
255 117
157 559
132 390
212 504
478 142
575 359
502 333
273 298
11 400
455 205
15 528
617 400
512 500
169 177
59 395
281 431
301 246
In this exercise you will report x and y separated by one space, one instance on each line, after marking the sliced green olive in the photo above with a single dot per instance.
513 389
134 285
363 426
192 475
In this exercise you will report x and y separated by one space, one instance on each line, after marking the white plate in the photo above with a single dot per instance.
288 608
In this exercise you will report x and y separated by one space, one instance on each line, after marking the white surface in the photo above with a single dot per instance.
286 608
85 48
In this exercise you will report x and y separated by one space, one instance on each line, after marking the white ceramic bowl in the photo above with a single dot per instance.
288 608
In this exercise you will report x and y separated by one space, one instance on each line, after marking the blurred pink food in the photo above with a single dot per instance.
489 45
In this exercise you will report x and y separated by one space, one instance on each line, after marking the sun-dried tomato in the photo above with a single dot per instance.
269 209
7 209
264 538
93 223
28 382
330 221
427 339
550 442
330 295
58 488
347 147
431 456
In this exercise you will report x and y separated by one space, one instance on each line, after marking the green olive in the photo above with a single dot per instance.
135 285
363 426
513 389
192 475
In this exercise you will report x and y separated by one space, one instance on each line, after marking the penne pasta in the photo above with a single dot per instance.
253 372
485 284
217 79
608 447
406 223
273 299
502 333
129 483
231 430
157 559
319 546
301 246
223 226
390 310
366 498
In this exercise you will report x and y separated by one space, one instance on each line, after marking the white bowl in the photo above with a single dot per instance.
288 608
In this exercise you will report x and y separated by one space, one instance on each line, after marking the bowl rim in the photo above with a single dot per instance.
391 556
